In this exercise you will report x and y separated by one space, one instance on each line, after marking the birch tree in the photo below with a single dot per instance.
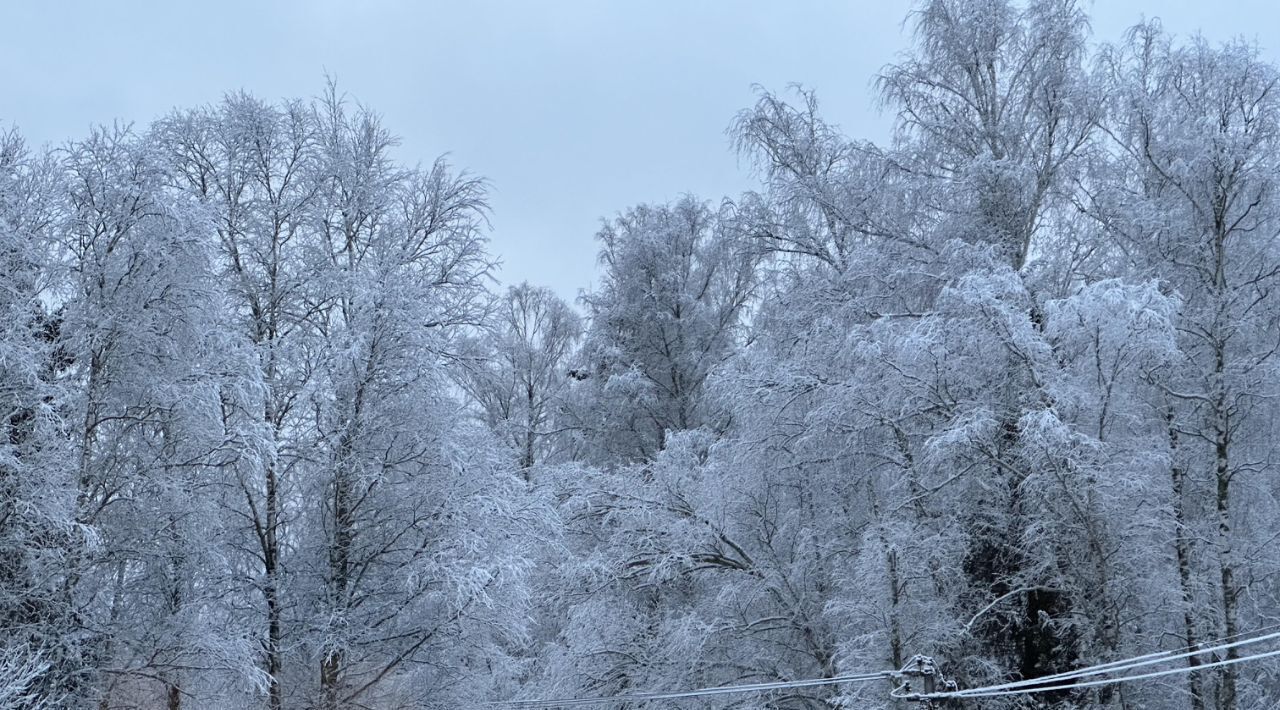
252 167
414 562
141 326
518 372
1194 136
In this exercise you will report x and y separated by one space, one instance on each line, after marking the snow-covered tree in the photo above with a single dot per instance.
40 654
252 168
518 372
677 280
141 332
1002 391
412 506
1189 196
364 508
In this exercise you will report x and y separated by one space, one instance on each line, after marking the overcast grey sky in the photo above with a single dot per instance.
573 110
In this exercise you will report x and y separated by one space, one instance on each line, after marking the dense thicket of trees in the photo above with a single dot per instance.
1003 391
236 469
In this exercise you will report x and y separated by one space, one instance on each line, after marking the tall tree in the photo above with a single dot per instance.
253 168
669 309
994 103
41 653
519 372
1195 138
414 558
141 326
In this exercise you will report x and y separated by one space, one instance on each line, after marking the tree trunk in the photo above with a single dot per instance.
1231 627
177 569
339 570
1182 548
530 432
344 532
1222 425
895 621
271 591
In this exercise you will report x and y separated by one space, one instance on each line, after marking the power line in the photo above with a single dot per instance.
1119 666
974 692
1232 637
1031 685
715 690
1047 683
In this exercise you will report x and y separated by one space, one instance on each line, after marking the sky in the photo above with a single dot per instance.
573 110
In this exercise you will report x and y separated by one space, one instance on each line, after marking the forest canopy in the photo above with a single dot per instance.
1002 391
